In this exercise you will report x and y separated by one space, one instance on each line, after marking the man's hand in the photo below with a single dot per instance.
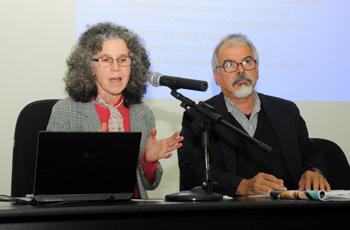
313 180
261 183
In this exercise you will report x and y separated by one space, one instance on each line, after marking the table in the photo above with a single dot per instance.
242 213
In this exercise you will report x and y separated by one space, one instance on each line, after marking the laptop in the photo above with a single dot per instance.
85 166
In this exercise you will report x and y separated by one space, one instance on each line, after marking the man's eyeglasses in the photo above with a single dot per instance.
106 62
230 66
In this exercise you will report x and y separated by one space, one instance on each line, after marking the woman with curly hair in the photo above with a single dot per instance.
106 82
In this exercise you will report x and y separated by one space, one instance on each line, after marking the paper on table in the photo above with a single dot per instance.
335 195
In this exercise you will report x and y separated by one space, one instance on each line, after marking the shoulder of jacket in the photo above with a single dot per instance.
264 97
69 104
141 110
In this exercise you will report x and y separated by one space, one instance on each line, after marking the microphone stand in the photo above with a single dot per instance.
205 192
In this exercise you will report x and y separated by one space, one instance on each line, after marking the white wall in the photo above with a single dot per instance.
35 40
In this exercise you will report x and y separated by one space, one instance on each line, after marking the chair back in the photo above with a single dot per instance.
33 118
338 173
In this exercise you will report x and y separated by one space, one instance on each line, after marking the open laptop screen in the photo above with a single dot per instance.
86 165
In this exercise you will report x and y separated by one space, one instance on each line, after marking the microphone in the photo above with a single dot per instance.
157 79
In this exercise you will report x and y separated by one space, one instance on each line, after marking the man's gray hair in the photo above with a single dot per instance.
234 39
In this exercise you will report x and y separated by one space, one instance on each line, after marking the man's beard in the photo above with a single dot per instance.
244 90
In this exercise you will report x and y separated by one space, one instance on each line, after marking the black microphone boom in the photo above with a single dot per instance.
157 79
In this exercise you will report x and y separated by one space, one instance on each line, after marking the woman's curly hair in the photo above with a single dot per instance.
80 81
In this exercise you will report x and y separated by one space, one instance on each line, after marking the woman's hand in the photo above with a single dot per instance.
104 127
159 149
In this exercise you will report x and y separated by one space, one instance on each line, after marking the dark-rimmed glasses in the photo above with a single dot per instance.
230 66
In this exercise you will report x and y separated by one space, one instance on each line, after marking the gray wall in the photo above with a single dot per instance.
36 38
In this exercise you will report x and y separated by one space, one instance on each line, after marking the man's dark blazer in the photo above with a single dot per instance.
287 124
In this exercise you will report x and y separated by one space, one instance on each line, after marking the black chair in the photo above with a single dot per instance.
338 174
33 118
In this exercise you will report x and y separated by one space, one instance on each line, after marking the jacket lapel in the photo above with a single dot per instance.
89 116
226 137
285 135
136 125
135 117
